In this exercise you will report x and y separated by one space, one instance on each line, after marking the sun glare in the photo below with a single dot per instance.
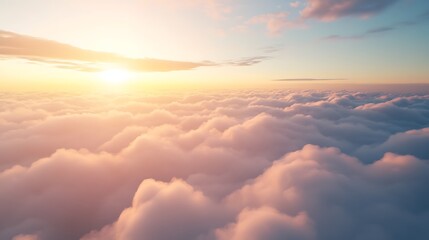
115 76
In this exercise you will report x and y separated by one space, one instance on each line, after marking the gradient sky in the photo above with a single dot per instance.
64 43
214 119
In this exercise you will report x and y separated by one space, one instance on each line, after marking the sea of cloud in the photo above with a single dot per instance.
233 165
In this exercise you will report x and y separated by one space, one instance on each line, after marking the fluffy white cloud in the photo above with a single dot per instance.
343 198
228 165
165 211
267 223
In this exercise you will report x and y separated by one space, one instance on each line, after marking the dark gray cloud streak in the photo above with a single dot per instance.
421 19
247 61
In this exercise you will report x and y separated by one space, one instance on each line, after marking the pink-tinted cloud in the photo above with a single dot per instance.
214 165
187 213
267 223
25 237
275 23
328 10
295 4
216 9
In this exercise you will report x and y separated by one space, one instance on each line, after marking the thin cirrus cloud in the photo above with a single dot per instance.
13 45
422 18
308 79
215 9
248 61
295 4
60 55
275 23
329 10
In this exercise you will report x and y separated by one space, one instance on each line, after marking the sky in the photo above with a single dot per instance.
214 119
68 44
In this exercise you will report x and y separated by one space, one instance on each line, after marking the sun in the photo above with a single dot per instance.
115 76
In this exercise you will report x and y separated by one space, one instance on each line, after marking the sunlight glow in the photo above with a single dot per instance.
115 76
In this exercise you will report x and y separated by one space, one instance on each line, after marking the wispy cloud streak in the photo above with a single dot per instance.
420 19
13 45
329 10
308 79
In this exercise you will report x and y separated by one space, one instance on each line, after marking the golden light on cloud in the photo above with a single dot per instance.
115 76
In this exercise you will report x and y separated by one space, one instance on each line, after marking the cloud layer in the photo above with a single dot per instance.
270 164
